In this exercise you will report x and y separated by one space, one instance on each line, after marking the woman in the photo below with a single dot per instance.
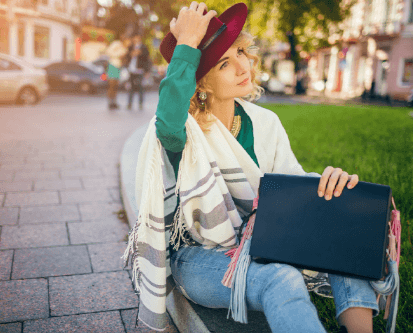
213 157
115 51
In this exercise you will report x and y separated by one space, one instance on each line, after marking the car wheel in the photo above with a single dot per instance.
27 96
85 87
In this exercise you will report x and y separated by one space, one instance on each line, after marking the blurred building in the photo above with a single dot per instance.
376 55
39 31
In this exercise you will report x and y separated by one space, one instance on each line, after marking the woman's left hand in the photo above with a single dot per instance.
333 180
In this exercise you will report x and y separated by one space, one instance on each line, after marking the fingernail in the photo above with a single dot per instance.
336 193
320 194
349 186
328 197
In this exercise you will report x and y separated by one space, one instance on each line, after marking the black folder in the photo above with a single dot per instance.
346 236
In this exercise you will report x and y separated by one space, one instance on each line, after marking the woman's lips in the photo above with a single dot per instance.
243 83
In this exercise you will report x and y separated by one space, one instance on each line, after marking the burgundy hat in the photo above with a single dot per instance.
221 33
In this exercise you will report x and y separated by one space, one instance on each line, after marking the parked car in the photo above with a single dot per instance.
75 76
21 82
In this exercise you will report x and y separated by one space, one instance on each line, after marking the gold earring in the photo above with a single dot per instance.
202 96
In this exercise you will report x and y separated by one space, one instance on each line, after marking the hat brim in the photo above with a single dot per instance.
234 18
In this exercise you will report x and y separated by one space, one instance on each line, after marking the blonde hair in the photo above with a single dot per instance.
204 118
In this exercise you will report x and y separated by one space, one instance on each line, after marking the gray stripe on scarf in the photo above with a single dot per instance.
213 164
201 182
153 284
154 256
171 188
152 292
200 194
229 203
231 171
246 205
169 196
239 180
156 229
156 219
212 219
169 220
155 320
228 240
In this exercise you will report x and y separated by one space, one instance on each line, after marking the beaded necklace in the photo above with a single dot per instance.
236 123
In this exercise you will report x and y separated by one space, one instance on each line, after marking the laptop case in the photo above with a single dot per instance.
347 235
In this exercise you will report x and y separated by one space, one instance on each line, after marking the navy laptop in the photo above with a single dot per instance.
347 235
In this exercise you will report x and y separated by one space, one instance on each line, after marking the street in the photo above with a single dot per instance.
60 116
62 230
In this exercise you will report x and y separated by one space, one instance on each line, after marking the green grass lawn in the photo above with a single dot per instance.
377 144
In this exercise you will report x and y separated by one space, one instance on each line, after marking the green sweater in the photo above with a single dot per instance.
175 92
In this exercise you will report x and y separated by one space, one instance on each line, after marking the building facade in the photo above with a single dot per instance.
41 31
376 55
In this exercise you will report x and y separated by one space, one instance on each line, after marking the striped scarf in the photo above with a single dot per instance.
217 183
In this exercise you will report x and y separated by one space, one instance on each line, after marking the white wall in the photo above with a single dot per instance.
57 31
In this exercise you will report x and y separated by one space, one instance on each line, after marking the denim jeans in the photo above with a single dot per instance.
276 289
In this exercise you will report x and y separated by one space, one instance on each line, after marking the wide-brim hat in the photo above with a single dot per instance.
221 33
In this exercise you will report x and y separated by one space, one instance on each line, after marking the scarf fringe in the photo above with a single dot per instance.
236 275
178 230
131 253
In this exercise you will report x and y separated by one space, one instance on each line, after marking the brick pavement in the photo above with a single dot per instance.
61 239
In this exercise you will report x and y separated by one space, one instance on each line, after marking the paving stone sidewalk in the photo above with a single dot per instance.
61 239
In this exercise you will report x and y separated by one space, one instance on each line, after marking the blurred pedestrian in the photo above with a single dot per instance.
139 66
116 51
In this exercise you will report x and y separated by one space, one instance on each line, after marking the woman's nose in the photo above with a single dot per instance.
241 67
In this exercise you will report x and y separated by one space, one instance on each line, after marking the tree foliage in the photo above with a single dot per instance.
305 24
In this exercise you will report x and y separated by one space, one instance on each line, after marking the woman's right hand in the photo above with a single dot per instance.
192 24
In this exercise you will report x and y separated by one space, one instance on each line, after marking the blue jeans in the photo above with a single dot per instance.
276 289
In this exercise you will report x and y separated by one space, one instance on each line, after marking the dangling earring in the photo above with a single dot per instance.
202 96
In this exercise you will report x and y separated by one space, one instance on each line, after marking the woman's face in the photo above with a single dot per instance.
231 76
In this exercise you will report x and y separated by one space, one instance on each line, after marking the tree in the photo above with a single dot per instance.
307 24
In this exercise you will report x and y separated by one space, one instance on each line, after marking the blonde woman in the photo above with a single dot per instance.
198 174
115 51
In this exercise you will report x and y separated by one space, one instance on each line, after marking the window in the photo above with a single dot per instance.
41 42
6 65
407 74
4 35
20 33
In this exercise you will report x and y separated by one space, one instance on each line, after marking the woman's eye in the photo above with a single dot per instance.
226 62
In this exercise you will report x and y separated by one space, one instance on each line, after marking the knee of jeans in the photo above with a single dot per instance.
285 279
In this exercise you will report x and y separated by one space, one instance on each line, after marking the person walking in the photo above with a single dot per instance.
116 51
139 66
198 174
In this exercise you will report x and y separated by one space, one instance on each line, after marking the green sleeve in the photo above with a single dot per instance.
175 92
